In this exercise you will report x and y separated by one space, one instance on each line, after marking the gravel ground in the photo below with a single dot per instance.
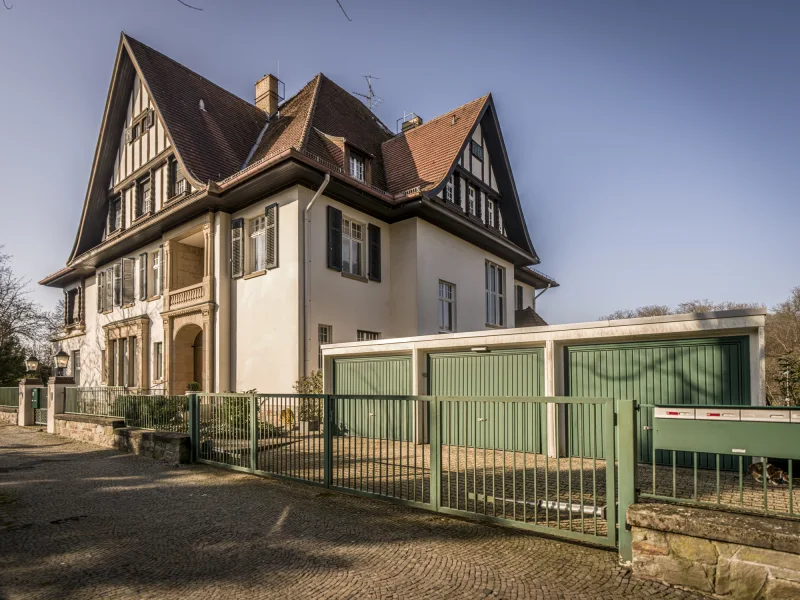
77 521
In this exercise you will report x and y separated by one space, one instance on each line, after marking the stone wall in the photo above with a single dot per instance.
725 555
89 429
8 415
173 448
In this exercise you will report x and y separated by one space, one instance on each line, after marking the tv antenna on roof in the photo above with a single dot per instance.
370 97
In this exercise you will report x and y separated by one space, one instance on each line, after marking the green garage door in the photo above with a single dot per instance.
700 371
518 372
375 417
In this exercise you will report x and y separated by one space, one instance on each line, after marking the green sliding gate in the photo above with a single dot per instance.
708 371
480 457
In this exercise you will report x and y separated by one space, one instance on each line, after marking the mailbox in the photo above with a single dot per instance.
718 413
744 431
768 415
674 412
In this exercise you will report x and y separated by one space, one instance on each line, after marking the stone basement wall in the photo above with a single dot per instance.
8 415
172 448
89 429
725 555
111 432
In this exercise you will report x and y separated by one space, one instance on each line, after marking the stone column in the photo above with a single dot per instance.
208 350
56 388
25 410
168 358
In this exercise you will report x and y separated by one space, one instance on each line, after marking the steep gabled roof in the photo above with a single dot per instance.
318 113
214 142
422 157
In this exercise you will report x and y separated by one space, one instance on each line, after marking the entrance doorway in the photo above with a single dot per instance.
188 358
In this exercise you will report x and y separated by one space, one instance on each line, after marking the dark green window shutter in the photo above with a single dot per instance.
237 248
334 238
117 284
271 235
128 289
143 276
374 235
457 189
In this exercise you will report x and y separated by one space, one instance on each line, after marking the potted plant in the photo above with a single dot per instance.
309 409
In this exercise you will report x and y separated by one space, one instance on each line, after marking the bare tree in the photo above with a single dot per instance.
654 310
782 349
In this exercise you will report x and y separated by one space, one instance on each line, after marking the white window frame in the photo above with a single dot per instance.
447 304
354 245
448 191
490 211
155 284
76 366
357 166
494 278
362 335
471 197
257 237
324 336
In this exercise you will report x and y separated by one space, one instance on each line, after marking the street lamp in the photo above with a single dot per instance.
32 364
62 360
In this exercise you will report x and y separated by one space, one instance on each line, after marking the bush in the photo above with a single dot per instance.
193 386
310 409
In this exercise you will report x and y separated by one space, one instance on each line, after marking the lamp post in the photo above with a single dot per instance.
32 365
62 360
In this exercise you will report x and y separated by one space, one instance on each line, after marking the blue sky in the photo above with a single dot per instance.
655 145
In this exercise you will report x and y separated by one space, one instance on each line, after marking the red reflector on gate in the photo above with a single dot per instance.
672 412
713 414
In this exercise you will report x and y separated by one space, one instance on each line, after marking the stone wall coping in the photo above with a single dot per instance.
93 419
149 434
772 533
8 409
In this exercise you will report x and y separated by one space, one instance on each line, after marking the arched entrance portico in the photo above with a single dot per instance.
187 365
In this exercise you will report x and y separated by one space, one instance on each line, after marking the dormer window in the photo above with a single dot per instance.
356 166
448 191
177 178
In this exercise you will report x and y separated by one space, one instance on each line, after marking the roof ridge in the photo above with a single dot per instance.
435 119
311 109
192 71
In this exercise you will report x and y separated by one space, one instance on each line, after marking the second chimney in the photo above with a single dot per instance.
412 121
267 97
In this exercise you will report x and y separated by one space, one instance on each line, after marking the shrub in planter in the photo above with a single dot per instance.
193 386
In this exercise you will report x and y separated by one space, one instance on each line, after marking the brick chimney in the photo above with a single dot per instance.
267 97
413 121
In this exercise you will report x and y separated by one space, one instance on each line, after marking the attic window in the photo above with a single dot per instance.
477 150
356 166
140 125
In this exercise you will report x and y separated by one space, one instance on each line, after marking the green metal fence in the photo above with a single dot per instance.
727 458
405 448
39 405
149 409
9 396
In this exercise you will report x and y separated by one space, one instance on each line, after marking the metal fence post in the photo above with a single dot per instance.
194 427
253 433
327 440
628 493
435 440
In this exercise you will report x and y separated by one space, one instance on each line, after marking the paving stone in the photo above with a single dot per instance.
80 521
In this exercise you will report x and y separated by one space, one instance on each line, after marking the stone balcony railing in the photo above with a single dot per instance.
188 296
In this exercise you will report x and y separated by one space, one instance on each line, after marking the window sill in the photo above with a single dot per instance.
255 274
152 298
492 326
142 217
112 234
355 277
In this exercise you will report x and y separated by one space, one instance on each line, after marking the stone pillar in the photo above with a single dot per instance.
25 410
56 389
208 350
222 297
168 358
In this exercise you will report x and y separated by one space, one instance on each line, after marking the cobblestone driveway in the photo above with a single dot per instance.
81 522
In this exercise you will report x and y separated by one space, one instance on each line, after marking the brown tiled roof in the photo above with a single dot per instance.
213 143
423 156
319 112
527 317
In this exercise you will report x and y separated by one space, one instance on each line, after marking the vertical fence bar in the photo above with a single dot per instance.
253 429
626 434
435 440
327 441
194 427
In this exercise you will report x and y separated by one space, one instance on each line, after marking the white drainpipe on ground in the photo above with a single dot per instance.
306 261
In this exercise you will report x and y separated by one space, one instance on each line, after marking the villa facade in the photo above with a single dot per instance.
223 241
